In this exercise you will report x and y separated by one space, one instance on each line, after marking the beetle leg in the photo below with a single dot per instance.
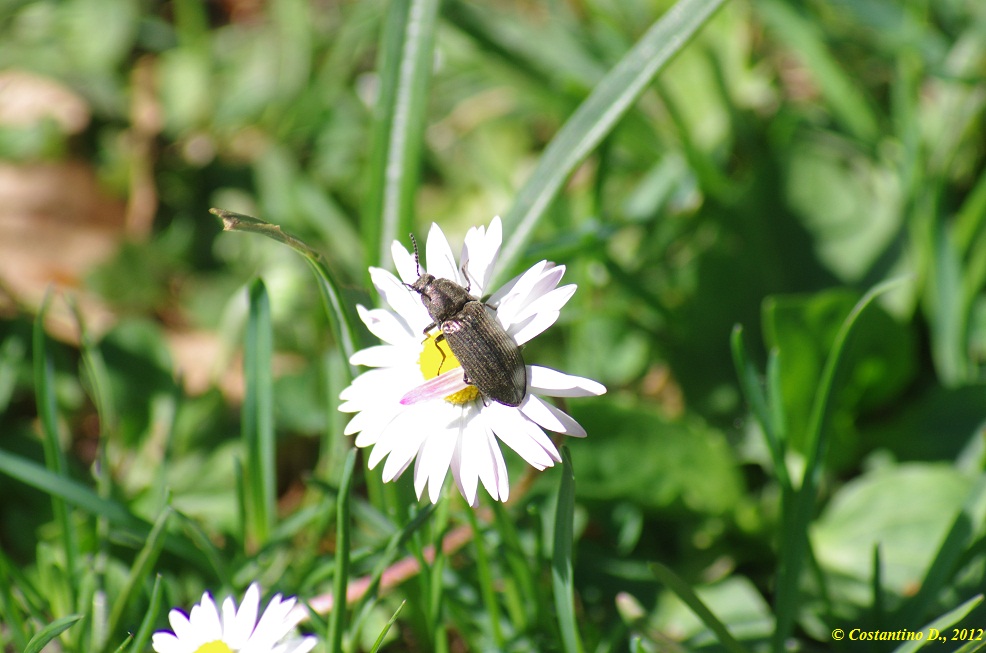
440 336
465 273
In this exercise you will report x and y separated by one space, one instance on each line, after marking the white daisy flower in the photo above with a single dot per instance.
407 410
204 630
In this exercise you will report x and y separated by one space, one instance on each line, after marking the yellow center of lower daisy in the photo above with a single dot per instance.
215 646
436 357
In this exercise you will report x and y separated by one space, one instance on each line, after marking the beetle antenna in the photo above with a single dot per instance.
417 263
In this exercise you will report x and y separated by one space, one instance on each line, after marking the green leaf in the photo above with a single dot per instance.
50 632
947 620
881 362
740 596
338 312
597 116
562 579
406 54
906 510
690 468
150 617
337 618
804 36
44 388
258 417
83 497
383 633
799 506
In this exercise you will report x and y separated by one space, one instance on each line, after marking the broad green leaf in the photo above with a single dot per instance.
633 453
906 510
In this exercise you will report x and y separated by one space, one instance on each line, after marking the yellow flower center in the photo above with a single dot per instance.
437 357
215 646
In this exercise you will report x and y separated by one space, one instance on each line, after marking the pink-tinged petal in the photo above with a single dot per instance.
550 417
512 429
387 326
407 269
552 383
441 262
438 387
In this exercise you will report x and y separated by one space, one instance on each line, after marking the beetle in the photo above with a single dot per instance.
490 358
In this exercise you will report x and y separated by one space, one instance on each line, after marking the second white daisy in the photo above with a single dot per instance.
205 630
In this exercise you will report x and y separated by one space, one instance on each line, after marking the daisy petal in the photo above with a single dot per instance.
181 626
550 417
511 428
165 642
552 383
436 456
385 325
379 356
407 269
405 302
441 262
442 385
480 249
523 332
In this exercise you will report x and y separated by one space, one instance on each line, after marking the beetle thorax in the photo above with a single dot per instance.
441 297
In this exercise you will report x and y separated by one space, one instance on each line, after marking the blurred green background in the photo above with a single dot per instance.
791 157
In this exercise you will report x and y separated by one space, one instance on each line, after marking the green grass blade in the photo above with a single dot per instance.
258 417
803 36
562 580
124 644
150 618
756 397
597 116
941 623
406 53
485 572
15 629
688 596
436 571
799 507
390 624
337 618
44 388
82 497
50 632
942 569
340 317
141 568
